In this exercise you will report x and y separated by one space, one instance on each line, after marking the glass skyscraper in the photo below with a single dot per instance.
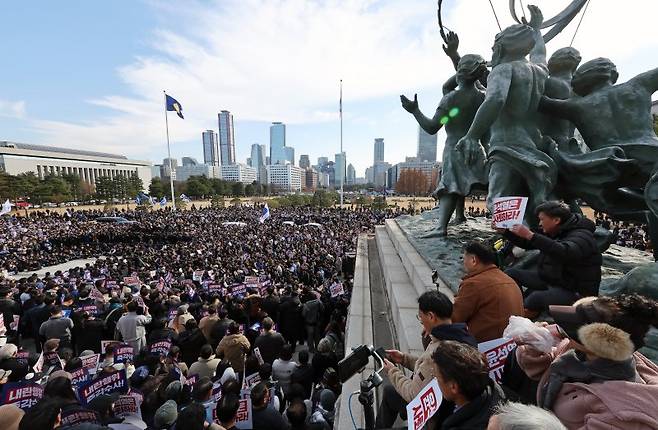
426 146
210 148
278 153
226 137
379 150
339 169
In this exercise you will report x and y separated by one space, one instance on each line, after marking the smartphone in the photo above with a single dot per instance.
381 352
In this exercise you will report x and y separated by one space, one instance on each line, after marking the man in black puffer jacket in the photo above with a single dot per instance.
569 263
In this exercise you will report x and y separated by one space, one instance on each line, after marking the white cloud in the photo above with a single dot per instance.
12 109
280 60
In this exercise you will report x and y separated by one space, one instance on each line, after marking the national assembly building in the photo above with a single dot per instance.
16 158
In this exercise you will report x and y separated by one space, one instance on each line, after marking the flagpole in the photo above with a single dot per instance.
342 154
171 169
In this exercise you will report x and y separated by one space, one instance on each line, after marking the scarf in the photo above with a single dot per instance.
569 367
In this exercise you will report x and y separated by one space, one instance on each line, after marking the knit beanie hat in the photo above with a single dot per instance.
166 415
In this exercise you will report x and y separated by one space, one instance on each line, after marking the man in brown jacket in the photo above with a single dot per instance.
487 297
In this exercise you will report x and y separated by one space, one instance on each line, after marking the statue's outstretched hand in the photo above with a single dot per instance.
452 44
536 17
408 105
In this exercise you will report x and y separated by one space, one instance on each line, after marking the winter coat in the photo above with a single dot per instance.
233 347
423 368
456 331
204 367
270 345
476 413
131 329
603 405
571 259
190 342
485 301
312 311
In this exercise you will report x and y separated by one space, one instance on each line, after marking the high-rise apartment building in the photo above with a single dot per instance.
278 153
379 150
304 161
426 146
210 148
226 137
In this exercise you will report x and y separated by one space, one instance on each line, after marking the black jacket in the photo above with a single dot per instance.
456 331
476 413
571 259
270 345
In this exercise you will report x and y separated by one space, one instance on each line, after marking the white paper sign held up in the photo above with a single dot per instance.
509 211
424 405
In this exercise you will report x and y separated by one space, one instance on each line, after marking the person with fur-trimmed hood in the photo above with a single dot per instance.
595 377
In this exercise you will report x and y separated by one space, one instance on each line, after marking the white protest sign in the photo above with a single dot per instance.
336 289
496 351
509 211
424 406
258 356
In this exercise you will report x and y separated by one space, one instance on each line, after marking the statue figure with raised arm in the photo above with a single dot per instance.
620 174
517 167
456 111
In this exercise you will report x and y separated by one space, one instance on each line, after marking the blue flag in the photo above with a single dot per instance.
163 202
265 214
173 105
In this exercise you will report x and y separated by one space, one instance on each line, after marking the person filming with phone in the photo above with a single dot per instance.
434 314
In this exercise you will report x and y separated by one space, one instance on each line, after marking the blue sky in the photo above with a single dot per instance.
90 74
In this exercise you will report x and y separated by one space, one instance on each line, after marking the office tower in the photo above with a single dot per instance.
379 150
257 155
290 154
226 137
189 161
304 161
323 161
426 146
339 169
166 172
210 148
351 175
278 154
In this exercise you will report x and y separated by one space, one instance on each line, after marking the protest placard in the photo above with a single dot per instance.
191 380
239 289
496 351
336 289
90 309
197 275
96 295
509 211
110 284
424 406
244 418
125 405
251 380
160 348
47 360
90 362
171 313
22 394
124 353
66 313
250 280
108 384
259 356
216 394
215 289
131 281
79 377
76 415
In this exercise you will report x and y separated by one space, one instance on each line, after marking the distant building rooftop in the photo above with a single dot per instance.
44 148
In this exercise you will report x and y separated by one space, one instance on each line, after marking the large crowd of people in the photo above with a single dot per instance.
190 313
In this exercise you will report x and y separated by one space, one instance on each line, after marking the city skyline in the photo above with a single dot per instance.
104 91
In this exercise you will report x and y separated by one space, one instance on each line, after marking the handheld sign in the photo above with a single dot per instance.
131 281
112 383
160 348
336 289
244 418
125 405
424 405
496 352
90 362
80 376
509 211
75 416
22 394
124 353
106 343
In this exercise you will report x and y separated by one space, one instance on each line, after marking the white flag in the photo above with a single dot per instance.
6 208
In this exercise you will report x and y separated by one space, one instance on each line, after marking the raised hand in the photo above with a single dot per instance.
408 105
536 17
452 44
